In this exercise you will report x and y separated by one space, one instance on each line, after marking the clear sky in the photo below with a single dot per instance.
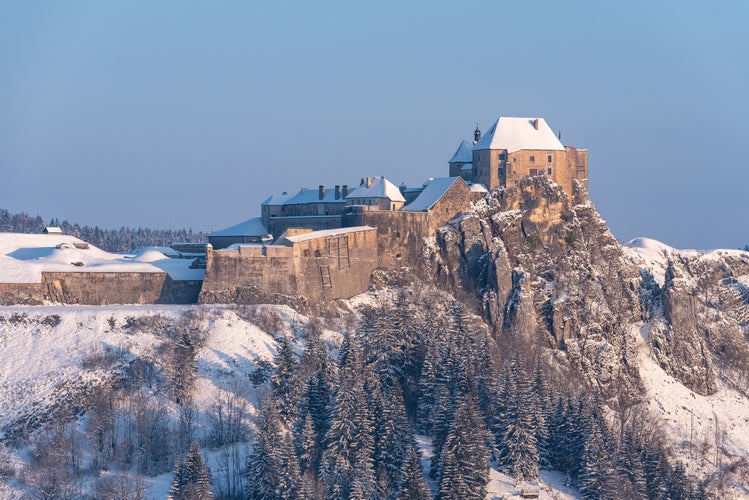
188 114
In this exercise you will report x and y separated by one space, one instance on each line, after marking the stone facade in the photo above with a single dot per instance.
95 288
305 269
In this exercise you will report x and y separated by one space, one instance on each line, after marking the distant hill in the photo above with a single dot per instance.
124 239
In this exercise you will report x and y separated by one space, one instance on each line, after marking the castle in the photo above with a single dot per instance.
328 241
309 248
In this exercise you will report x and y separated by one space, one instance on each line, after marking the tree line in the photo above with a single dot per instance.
124 239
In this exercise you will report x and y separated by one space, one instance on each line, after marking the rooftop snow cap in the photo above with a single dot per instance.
463 154
516 134
378 187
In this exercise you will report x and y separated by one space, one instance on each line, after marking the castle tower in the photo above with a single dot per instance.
476 134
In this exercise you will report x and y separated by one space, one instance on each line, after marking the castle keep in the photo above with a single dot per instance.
309 248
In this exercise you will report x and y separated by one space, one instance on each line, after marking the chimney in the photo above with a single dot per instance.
344 191
535 123
321 192
337 192
369 181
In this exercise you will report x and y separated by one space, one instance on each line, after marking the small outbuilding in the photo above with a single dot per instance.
250 231
52 230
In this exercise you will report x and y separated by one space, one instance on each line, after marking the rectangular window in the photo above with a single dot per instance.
548 158
549 171
502 157
533 171
533 159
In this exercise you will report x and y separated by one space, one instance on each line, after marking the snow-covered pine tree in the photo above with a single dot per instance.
284 382
192 480
290 485
198 475
413 486
629 467
264 463
349 441
598 468
542 409
520 452
465 455
393 443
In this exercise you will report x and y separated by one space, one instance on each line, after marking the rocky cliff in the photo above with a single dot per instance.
548 271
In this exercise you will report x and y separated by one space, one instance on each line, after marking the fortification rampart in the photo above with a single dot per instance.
312 268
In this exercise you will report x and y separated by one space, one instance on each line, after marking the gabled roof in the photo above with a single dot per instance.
380 188
277 199
432 193
463 154
250 227
307 195
515 134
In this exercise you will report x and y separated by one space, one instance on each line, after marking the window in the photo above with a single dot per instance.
548 158
549 171
533 171
502 157
533 159
501 171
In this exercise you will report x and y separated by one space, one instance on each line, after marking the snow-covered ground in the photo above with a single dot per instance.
23 257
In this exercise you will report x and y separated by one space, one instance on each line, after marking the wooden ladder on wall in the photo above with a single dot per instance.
338 248
325 277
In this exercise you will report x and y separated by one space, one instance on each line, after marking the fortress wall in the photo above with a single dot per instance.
21 293
400 235
336 267
103 288
268 268
317 269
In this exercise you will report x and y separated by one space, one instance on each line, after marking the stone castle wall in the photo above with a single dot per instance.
314 270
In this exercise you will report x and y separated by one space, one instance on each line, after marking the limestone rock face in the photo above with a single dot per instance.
549 271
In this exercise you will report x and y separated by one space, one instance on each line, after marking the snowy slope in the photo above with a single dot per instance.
23 257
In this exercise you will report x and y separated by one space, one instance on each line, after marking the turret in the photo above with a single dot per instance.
476 134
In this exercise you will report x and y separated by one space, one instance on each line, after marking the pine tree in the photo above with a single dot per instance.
264 464
629 466
413 486
465 454
519 441
394 440
283 382
290 485
597 462
192 480
347 458
542 409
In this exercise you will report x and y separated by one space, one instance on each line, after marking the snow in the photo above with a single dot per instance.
463 154
431 194
23 257
466 167
307 195
515 134
686 413
379 188
250 227
276 199
477 187
323 234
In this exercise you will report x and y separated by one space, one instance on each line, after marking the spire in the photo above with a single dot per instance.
476 134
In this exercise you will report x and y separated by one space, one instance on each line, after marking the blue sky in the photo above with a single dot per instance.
189 114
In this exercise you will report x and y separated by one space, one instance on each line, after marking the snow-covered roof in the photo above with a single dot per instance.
276 199
477 187
467 166
379 188
307 195
463 154
515 134
23 258
322 234
432 193
250 227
